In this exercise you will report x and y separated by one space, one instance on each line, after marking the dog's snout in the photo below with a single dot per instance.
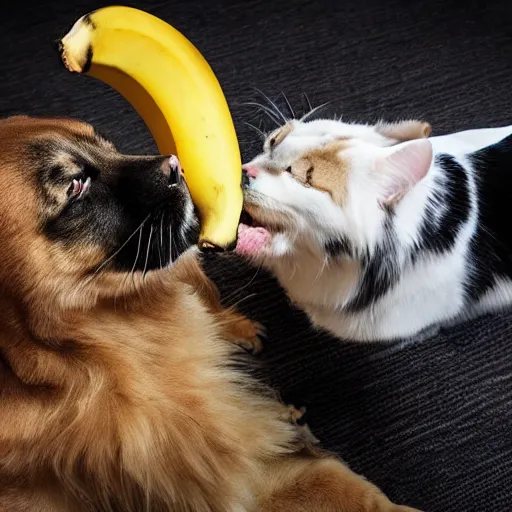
171 168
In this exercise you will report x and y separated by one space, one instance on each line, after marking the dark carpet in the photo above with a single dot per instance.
431 423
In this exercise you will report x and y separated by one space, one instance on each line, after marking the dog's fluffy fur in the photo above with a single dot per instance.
120 388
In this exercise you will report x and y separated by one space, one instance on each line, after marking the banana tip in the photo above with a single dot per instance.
207 246
75 47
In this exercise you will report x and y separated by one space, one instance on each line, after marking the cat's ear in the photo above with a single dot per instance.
400 168
404 130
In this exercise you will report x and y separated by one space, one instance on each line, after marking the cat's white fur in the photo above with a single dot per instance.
427 293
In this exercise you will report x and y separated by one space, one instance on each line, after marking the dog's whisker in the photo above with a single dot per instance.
161 241
237 292
148 250
110 258
239 301
171 257
132 271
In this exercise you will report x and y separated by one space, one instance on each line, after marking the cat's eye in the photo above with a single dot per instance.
79 188
272 142
289 169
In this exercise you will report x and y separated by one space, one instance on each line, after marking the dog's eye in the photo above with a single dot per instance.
289 169
79 188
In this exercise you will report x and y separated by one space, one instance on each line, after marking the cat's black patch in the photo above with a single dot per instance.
436 234
338 247
380 271
439 235
491 247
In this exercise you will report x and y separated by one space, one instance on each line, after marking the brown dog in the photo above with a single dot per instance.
118 384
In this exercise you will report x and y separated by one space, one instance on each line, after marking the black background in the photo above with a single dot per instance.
431 423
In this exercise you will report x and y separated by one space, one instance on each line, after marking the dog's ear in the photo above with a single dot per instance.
402 131
400 168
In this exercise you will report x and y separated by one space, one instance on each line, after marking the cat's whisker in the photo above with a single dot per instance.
261 133
277 110
306 97
313 111
290 108
266 110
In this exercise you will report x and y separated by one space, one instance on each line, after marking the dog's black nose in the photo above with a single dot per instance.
171 167
245 179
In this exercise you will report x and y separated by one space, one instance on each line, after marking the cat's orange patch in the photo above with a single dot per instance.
325 169
277 136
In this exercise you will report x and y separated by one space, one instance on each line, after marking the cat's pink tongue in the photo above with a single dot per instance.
251 240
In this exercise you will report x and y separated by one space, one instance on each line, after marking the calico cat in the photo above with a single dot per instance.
383 232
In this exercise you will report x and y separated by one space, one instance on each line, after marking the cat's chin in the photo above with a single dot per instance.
252 240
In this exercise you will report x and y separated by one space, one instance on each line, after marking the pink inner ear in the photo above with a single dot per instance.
403 167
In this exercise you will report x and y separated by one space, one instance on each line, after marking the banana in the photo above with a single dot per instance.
174 90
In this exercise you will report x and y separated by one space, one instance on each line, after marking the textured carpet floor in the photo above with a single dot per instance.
431 423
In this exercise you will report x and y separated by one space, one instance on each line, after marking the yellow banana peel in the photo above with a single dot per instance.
174 90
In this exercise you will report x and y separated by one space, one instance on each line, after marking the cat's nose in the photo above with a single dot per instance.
251 170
